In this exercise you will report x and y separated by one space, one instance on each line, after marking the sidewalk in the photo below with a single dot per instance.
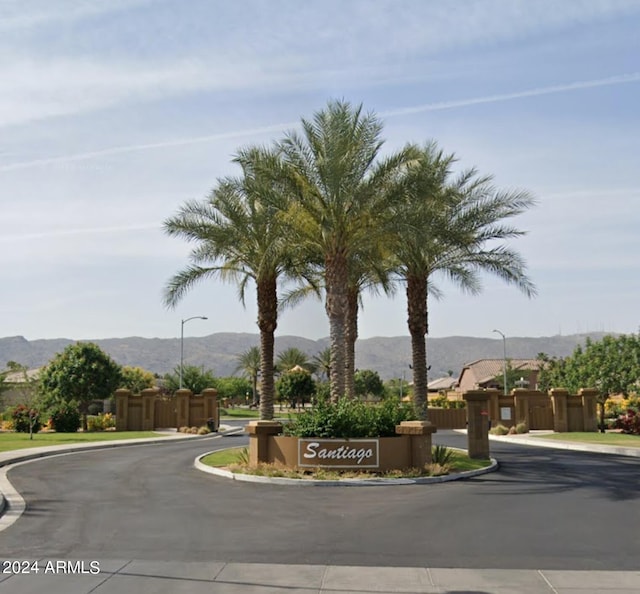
530 440
168 577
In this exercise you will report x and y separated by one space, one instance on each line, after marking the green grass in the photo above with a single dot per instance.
223 457
614 439
18 441
460 462
239 413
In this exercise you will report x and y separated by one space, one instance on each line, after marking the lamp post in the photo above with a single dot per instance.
504 359
182 342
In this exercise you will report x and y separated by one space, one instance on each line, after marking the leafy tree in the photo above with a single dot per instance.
137 379
239 238
450 226
249 365
368 382
293 357
194 378
296 385
82 372
513 377
232 387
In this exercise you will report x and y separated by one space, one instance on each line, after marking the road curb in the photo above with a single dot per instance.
378 482
565 445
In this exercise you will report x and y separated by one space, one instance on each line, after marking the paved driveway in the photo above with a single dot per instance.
544 509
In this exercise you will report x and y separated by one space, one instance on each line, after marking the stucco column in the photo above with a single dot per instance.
259 432
122 409
183 398
494 407
478 423
521 403
419 433
210 396
560 414
589 409
148 408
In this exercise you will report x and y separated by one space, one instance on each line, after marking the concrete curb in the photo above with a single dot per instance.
377 482
566 445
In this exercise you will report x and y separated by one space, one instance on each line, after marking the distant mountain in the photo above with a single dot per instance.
389 356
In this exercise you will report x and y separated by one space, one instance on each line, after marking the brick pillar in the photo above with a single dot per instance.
589 409
521 403
494 407
149 408
419 433
122 409
210 396
478 423
560 414
259 432
183 402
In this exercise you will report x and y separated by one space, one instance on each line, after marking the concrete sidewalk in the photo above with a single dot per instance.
169 577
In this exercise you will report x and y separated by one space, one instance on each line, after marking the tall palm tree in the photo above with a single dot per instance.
322 362
293 357
238 238
451 226
249 365
335 178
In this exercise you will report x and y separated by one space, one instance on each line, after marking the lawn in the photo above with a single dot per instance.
460 462
18 441
613 439
252 413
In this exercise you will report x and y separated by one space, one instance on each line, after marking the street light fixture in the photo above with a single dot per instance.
182 341
504 359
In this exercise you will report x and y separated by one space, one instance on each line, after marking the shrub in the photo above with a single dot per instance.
94 408
441 455
23 417
350 418
522 428
629 423
101 422
204 430
65 418
499 430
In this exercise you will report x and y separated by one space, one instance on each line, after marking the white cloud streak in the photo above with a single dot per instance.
443 105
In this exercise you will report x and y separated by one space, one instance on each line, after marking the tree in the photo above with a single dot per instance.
249 365
296 385
368 383
80 374
322 363
450 226
293 357
335 199
194 378
236 388
137 379
239 237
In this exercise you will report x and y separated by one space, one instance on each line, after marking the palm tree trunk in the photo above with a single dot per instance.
417 322
350 342
336 306
267 322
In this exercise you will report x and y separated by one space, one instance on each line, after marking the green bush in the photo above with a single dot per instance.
23 417
522 428
350 418
499 430
65 418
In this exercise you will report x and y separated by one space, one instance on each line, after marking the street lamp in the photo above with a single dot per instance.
182 342
504 359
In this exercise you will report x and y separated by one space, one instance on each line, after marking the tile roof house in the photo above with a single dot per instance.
483 373
443 383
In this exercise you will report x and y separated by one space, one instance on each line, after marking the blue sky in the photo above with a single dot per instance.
114 112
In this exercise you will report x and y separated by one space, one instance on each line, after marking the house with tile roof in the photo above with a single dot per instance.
487 373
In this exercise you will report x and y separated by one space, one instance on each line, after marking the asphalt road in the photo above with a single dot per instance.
544 508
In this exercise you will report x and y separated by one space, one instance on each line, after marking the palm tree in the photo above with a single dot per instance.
238 238
335 179
451 227
293 357
322 362
249 365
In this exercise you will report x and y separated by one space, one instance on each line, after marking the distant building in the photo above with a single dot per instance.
443 383
487 373
19 386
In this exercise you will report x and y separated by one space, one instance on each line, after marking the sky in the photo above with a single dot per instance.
115 112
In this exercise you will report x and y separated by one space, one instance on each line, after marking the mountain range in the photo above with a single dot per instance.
389 356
